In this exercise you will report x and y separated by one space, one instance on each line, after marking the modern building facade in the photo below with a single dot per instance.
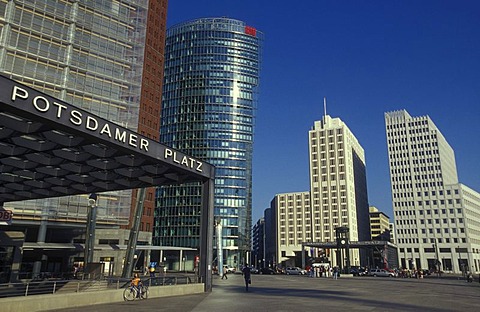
270 237
258 244
293 220
102 56
379 224
338 182
210 93
437 219
337 196
391 228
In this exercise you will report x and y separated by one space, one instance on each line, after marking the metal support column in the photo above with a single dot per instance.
303 257
90 235
132 240
206 234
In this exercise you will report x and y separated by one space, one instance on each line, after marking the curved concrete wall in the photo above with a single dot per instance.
71 300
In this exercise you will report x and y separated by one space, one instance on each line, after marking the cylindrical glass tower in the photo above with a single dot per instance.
209 99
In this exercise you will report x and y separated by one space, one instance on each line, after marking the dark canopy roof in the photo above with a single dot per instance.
49 148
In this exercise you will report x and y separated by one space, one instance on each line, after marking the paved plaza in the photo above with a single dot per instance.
301 293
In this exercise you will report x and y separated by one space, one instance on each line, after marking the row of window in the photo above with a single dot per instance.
441 250
431 231
453 221
427 212
330 133
454 240
409 186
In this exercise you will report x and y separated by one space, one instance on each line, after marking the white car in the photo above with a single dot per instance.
295 271
229 269
381 272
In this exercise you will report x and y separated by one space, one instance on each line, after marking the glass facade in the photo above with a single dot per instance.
209 100
87 53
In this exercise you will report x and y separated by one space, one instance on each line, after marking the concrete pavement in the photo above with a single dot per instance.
301 293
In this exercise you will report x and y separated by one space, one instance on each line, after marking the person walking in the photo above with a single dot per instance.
469 277
247 276
335 273
224 272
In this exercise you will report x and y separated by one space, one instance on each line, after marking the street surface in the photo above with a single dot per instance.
300 293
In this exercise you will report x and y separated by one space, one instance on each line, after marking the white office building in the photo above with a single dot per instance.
337 196
437 219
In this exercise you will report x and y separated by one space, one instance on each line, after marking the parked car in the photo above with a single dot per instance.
229 269
267 271
381 272
295 271
357 271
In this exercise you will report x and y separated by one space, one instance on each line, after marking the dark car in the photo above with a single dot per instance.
267 271
356 271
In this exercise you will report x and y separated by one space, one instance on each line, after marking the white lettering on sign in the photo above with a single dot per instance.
186 161
76 117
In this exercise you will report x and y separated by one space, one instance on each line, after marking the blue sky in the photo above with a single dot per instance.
367 58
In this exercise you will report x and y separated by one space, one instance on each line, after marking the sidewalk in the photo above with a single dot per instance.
300 293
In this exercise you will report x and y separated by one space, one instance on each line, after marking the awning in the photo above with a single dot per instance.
49 148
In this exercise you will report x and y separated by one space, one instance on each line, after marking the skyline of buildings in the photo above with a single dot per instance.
103 56
212 68
436 219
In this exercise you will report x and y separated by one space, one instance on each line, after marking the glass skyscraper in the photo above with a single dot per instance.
210 95
87 53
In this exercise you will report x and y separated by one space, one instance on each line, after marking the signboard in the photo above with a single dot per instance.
83 123
5 217
250 31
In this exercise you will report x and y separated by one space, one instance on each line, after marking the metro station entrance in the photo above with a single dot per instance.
49 149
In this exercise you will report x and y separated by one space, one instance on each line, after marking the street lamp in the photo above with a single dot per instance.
90 234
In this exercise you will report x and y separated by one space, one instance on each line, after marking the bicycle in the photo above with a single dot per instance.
132 292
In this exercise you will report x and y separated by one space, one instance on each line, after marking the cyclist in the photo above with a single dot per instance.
137 283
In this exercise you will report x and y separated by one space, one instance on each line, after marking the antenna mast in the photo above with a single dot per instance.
325 106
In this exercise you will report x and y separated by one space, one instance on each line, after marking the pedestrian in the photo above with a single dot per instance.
152 271
247 276
335 273
469 277
224 272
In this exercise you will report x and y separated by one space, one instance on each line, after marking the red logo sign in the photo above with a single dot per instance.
250 31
